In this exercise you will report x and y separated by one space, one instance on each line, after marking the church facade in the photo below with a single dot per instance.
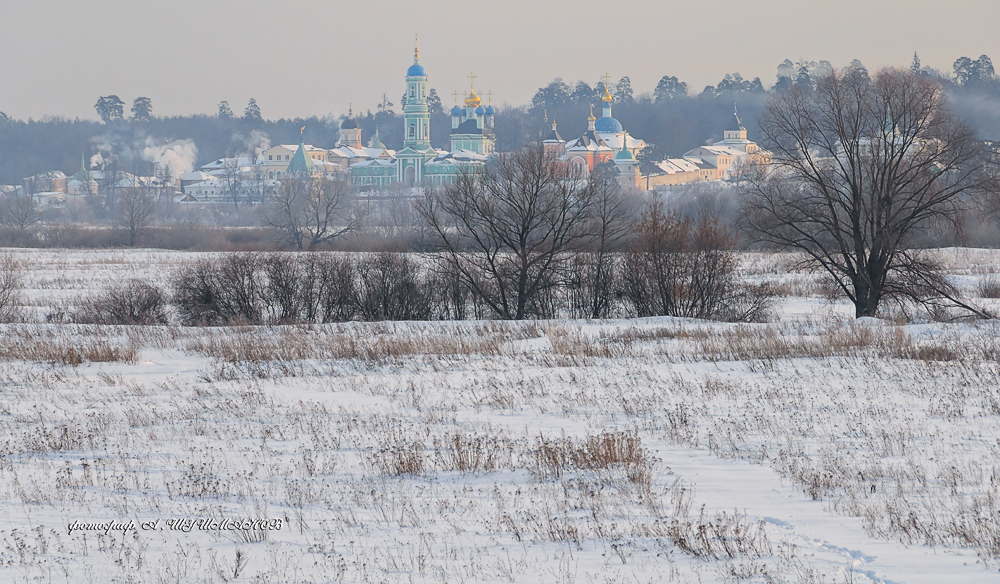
472 141
605 142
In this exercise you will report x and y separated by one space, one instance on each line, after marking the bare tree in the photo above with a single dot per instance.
311 211
859 166
19 214
113 176
11 284
233 180
613 220
136 207
506 231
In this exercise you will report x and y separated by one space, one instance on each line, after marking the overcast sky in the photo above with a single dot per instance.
315 57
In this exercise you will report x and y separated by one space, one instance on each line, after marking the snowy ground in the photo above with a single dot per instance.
812 449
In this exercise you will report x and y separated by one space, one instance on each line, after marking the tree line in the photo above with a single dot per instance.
671 116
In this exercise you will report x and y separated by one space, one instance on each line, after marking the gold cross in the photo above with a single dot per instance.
454 94
489 96
472 81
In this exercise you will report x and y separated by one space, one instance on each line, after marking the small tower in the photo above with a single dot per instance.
375 142
490 112
350 133
456 112
735 132
607 124
473 104
628 168
591 120
301 164
553 146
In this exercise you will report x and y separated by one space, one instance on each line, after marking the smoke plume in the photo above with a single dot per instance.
179 155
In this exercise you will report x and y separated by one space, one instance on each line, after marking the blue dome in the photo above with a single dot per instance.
457 111
416 70
608 125
490 111
480 111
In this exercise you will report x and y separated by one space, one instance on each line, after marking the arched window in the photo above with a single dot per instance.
411 131
270 175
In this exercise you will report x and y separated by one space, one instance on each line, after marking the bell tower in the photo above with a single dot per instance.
416 116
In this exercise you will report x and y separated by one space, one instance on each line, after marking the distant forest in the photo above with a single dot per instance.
672 117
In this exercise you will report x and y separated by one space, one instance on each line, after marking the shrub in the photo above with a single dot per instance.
329 289
989 287
133 303
225 291
391 288
684 267
283 292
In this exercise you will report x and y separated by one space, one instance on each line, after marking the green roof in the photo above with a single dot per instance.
376 143
624 154
82 175
301 163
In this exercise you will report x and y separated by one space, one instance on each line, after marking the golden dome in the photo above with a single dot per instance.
473 100
607 94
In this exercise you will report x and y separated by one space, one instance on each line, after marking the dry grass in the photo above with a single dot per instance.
376 342
63 352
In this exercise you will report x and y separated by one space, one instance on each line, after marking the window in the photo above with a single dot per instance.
411 130
270 175
286 157
270 156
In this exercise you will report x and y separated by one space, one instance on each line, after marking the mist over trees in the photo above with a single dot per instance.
671 116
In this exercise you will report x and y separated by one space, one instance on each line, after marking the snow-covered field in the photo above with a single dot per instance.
811 449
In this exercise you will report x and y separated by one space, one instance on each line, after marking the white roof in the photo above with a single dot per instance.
222 162
294 147
460 155
226 171
676 165
209 182
578 144
371 161
193 175
614 141
350 152
717 150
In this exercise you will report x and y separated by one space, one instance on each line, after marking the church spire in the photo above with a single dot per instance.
607 96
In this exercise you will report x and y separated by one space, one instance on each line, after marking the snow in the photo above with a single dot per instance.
815 448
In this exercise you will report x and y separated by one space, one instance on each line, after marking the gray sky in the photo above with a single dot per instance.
314 57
